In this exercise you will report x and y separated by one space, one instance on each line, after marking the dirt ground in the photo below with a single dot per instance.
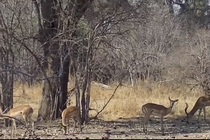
120 129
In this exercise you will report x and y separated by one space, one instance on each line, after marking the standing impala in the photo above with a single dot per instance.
201 103
156 110
24 111
72 112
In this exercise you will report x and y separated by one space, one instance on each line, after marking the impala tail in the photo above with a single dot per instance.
64 122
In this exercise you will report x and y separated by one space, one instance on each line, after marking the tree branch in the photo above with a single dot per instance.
9 117
38 14
107 101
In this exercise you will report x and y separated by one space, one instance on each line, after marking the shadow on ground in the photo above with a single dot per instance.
121 128
132 126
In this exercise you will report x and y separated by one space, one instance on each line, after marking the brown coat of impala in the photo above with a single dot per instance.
156 110
201 103
71 112
21 111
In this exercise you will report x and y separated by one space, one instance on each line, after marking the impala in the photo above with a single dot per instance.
24 111
72 112
201 103
156 110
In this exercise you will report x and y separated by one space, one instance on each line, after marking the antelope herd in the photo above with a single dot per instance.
73 112
161 111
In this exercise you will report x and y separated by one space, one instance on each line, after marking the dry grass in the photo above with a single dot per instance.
23 94
126 103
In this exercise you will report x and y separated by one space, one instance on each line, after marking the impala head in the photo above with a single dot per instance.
172 101
186 108
187 115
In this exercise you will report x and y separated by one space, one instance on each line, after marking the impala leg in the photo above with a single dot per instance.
31 122
75 122
204 113
146 118
144 123
80 123
15 127
25 120
161 120
14 130
68 127
65 130
199 114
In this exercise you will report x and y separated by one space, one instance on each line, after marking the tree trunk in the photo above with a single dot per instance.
64 82
7 79
47 37
85 101
7 88
76 85
57 71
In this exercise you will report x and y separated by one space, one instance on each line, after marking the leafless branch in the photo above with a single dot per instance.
38 14
108 100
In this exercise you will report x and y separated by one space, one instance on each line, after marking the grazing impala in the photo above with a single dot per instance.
24 111
71 112
200 104
156 110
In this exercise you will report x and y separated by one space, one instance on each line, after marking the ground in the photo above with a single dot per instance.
120 129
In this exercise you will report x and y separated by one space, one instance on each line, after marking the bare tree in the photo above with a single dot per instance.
57 26
15 62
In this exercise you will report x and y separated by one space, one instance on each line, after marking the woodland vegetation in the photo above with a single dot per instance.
106 41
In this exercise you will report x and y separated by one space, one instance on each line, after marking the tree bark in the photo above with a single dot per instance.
57 71
85 101
7 79
47 37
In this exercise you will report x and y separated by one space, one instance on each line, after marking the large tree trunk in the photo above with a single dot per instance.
47 36
6 79
7 88
56 69
85 101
